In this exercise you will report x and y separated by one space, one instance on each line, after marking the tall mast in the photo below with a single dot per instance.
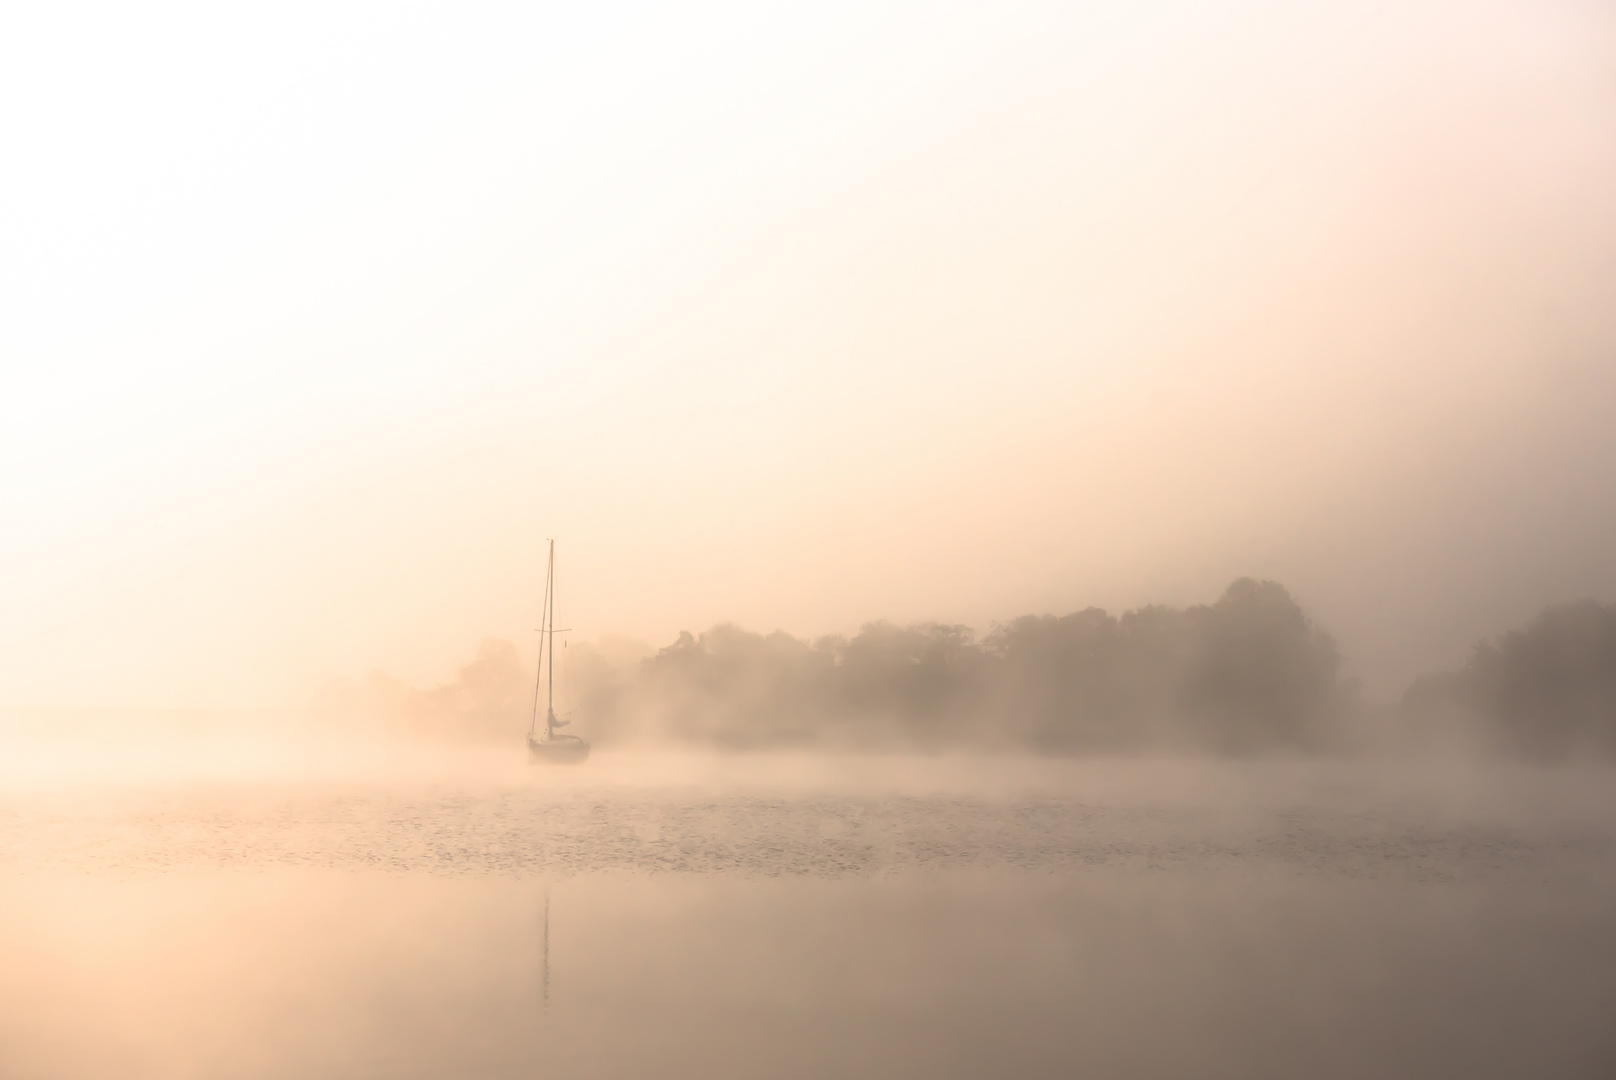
549 717
544 613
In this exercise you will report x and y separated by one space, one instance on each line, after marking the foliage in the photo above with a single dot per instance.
1548 690
1248 673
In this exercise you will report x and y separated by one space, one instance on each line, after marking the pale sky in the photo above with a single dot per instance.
319 319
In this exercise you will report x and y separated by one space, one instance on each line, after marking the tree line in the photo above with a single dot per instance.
1546 690
1248 673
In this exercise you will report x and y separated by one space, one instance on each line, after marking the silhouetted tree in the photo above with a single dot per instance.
1263 675
739 688
925 682
1548 690
1248 673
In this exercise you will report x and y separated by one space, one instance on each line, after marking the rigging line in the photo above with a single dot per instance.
549 703
538 675
550 699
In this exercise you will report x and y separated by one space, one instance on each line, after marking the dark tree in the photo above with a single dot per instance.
1548 690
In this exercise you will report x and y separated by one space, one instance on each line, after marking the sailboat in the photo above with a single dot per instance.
552 748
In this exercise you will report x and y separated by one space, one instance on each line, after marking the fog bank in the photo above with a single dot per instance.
1546 690
1250 673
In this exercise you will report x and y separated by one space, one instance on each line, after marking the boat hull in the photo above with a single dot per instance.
567 750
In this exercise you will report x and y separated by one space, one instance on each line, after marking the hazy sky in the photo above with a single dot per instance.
318 320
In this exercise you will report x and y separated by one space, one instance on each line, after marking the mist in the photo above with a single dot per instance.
1081 540
1247 674
932 316
914 851
1546 690
785 915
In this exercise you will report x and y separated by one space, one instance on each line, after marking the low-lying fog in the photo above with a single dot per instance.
1224 862
1045 336
269 908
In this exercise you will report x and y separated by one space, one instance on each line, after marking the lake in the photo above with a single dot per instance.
268 911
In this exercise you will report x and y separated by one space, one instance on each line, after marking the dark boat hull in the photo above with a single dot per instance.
564 750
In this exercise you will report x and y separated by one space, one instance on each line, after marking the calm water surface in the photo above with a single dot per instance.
462 915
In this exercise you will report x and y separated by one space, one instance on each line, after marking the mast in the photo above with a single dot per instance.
549 717
545 609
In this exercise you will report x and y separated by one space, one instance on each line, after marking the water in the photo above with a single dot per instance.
243 914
